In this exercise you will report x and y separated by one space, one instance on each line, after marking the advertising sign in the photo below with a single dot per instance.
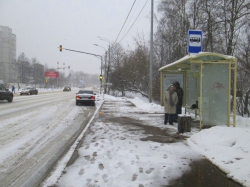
194 41
170 78
52 74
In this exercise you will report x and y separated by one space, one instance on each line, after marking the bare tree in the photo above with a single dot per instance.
23 68
130 69
235 15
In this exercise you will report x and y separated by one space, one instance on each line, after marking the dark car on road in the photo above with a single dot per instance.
5 94
29 91
85 97
66 88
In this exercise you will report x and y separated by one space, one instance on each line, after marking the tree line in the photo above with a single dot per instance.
32 72
225 26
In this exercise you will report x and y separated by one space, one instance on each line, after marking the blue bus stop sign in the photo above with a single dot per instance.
194 41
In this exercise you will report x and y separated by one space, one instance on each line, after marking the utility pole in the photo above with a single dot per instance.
151 53
108 68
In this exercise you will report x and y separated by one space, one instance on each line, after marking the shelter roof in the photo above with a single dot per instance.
201 57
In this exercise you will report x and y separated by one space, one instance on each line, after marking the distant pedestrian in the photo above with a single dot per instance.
13 89
170 101
180 94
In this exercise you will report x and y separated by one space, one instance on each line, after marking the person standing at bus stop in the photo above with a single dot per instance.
180 93
170 101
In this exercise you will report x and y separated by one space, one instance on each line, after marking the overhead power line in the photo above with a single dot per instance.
134 22
132 15
125 20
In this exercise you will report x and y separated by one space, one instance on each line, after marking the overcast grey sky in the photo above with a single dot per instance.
41 26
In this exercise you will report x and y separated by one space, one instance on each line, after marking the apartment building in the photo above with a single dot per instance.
7 55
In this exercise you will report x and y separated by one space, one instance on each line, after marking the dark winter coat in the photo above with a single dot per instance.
179 92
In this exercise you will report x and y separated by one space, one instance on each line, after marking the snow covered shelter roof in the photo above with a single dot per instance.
202 57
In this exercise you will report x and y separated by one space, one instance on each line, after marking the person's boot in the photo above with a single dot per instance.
165 120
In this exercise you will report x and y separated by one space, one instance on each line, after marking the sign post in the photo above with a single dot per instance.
194 41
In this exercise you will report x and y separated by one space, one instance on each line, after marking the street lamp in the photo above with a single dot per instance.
105 53
100 46
102 64
106 40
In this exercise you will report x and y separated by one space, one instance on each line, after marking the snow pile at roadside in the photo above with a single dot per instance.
226 147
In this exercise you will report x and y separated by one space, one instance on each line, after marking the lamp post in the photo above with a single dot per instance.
106 40
151 53
105 71
102 59
63 67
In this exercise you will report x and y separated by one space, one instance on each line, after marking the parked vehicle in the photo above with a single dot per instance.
5 94
85 97
29 91
66 88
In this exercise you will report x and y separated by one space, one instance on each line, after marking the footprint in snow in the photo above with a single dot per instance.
108 155
149 170
141 170
134 177
81 171
89 181
118 164
101 167
92 160
87 147
87 157
105 178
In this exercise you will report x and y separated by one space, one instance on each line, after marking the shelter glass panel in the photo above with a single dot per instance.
169 78
215 94
192 87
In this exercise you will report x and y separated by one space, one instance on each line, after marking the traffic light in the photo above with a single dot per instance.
60 47
100 77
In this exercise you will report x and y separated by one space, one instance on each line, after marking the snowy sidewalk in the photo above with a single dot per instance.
113 153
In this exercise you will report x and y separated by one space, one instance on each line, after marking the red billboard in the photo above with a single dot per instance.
52 74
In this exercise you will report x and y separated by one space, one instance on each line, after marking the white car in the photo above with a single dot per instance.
85 97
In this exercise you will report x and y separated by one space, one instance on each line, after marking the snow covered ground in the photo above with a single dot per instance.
113 156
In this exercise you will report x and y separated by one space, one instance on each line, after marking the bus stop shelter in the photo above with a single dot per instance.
208 79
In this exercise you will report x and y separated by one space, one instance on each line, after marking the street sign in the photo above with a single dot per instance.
194 41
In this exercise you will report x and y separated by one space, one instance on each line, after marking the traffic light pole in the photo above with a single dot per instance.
60 48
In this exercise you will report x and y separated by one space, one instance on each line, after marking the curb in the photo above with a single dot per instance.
63 162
